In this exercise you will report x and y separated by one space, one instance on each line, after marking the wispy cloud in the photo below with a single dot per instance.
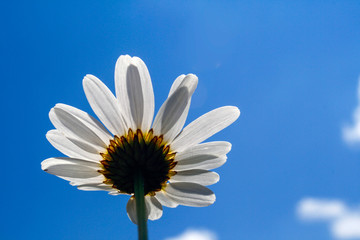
347 226
351 133
320 209
195 234
344 221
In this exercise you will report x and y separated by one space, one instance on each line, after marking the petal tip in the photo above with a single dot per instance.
51 112
43 166
123 59
213 199
238 112
192 76
50 132
229 146
217 177
89 78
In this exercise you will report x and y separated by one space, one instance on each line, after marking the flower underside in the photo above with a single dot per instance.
136 154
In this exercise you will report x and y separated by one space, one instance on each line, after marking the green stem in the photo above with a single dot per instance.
140 207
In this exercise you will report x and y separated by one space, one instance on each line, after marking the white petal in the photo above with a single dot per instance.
115 193
86 146
104 104
172 114
95 187
203 156
154 207
199 176
79 181
190 194
131 210
71 167
72 127
216 148
205 126
88 120
135 92
164 200
70 161
176 84
69 148
206 162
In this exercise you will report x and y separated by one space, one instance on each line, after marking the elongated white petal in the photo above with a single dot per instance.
104 105
205 126
86 146
176 84
69 148
72 127
172 114
71 167
154 206
164 200
75 181
95 187
199 176
203 156
216 148
131 210
190 194
116 192
80 181
135 92
88 120
205 162
70 161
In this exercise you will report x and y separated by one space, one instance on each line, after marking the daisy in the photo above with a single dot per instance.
129 153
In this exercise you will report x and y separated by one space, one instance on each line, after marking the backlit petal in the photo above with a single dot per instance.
205 126
173 113
203 156
131 210
104 104
154 207
165 200
74 128
70 167
199 176
88 120
134 92
190 194
69 148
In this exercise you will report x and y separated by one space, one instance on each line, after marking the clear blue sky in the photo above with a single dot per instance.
290 66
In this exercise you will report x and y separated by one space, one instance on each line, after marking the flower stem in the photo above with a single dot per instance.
140 207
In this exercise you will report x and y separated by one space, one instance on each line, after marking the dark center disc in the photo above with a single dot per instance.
134 154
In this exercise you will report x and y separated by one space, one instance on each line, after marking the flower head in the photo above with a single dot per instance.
173 162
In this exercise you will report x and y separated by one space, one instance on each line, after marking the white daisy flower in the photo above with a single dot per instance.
173 162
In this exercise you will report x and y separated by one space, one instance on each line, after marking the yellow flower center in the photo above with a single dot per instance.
137 153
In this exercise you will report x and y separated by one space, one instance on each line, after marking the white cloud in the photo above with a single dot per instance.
351 133
320 209
344 221
347 227
192 234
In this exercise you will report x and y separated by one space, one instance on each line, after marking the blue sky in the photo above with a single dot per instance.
291 67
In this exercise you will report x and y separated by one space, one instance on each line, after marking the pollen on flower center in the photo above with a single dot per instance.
138 153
